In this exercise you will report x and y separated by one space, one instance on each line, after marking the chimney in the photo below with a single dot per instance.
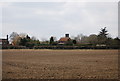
66 35
7 37
7 40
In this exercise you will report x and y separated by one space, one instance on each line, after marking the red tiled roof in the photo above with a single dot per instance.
64 39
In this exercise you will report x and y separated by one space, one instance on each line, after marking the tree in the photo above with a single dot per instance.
103 33
13 35
74 42
34 38
22 35
102 36
23 41
92 39
27 41
44 39
28 37
116 41
15 38
51 40
78 38
84 40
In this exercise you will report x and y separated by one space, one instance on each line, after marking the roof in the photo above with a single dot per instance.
64 39
3 40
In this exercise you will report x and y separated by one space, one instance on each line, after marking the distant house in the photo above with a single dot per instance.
4 42
64 40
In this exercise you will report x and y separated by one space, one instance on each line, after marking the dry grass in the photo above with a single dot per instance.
60 64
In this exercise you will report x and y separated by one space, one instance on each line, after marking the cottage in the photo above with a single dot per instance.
64 40
4 42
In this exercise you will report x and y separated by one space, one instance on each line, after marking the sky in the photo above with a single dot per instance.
46 19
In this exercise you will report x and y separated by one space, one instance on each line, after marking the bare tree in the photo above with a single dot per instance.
79 37
22 35
92 39
14 38
34 38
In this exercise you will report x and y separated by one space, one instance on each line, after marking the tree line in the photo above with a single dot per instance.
102 39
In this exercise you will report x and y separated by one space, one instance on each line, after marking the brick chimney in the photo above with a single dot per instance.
66 35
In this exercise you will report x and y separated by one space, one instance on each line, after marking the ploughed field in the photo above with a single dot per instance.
59 64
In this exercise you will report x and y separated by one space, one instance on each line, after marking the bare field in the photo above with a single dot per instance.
60 64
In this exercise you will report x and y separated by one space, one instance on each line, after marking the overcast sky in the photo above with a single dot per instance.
46 19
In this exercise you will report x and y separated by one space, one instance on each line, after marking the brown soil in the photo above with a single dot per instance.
60 64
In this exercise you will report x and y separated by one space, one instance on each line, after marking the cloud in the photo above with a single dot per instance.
59 0
44 19
48 12
5 4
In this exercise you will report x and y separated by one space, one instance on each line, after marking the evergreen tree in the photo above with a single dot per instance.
102 36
